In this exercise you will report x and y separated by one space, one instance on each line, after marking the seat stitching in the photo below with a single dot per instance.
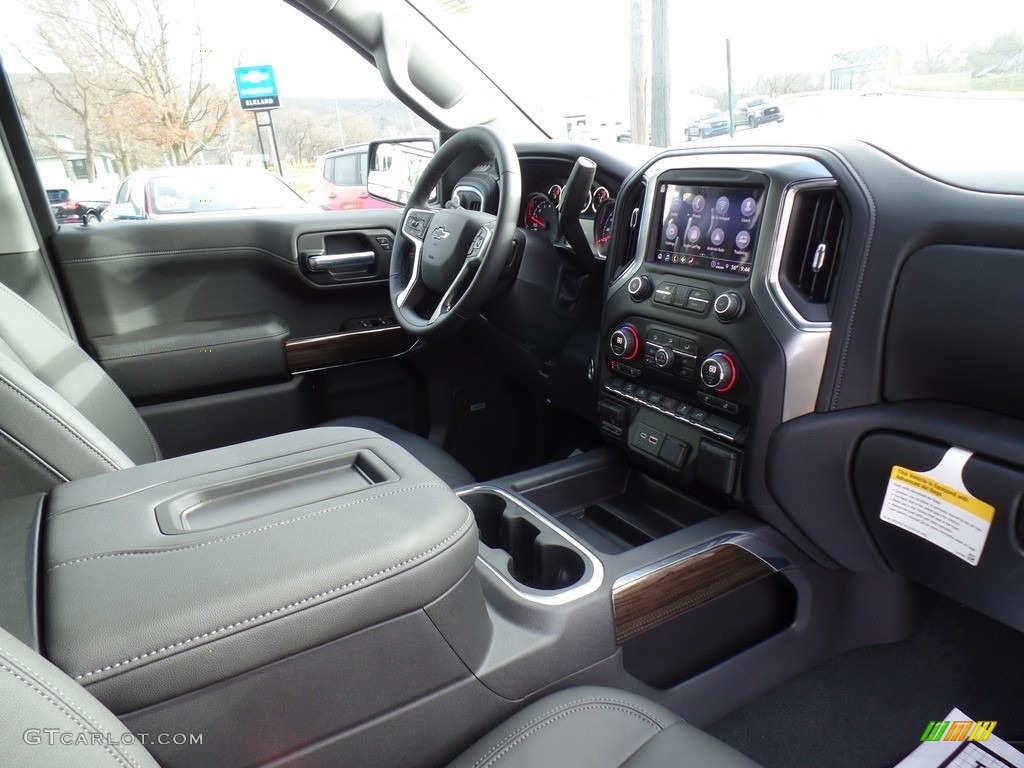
60 422
32 456
526 731
43 680
328 443
104 377
186 547
68 710
145 352
312 598
567 706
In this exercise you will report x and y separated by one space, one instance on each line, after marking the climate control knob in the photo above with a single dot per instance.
639 287
719 372
624 342
728 306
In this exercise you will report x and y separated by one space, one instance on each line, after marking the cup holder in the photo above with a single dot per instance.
488 509
536 558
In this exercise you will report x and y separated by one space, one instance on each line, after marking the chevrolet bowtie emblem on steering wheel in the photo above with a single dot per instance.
440 233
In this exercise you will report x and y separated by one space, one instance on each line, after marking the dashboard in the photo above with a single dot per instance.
781 327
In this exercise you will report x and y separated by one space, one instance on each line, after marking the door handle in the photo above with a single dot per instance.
319 261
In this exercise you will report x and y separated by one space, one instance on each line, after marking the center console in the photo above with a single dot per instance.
676 389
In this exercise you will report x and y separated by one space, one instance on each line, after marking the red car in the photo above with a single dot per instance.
339 180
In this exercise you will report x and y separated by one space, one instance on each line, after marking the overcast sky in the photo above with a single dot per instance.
565 51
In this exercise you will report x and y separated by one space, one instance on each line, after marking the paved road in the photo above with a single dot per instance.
981 128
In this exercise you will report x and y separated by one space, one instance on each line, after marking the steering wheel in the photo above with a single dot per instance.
449 259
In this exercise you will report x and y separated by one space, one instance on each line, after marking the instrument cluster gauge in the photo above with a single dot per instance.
603 226
541 215
601 194
555 193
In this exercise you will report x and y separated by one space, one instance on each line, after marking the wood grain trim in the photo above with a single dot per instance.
663 594
316 352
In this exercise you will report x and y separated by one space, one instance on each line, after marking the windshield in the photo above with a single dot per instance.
912 78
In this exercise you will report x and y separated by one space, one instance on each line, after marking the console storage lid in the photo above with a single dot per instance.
167 577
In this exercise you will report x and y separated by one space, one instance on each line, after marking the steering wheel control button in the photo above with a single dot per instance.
728 306
416 225
624 342
719 372
639 287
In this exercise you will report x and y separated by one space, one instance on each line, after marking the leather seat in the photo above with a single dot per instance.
595 727
50 720
63 418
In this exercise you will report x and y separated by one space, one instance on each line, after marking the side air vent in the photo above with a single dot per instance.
628 212
812 251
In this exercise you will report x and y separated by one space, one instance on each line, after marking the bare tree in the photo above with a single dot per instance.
938 58
123 79
78 87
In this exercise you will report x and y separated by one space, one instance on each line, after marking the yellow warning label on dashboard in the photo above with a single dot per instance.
961 499
936 506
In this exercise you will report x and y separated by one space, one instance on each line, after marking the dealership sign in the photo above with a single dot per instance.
257 88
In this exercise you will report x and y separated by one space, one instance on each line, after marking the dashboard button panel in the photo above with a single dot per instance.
682 412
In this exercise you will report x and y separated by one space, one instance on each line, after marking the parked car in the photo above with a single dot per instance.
713 123
755 110
339 180
202 190
78 204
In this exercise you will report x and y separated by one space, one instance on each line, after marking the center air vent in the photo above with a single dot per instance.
812 251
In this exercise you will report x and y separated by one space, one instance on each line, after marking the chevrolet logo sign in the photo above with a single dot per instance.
440 233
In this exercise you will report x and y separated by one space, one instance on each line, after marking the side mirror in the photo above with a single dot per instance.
120 212
394 167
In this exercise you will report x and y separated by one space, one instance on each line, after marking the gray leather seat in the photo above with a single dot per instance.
63 418
597 727
50 720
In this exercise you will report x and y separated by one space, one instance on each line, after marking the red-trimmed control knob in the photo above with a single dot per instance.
719 372
624 342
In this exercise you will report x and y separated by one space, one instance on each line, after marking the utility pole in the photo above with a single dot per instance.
728 80
639 59
661 87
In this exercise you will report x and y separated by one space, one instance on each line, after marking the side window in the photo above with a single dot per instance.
98 104
346 170
79 169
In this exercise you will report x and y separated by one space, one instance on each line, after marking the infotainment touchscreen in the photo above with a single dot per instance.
708 227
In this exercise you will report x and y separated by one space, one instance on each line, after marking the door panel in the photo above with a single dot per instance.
202 316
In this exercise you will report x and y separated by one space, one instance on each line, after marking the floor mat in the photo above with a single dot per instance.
869 708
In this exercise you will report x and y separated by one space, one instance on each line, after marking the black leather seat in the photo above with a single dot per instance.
50 720
63 418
